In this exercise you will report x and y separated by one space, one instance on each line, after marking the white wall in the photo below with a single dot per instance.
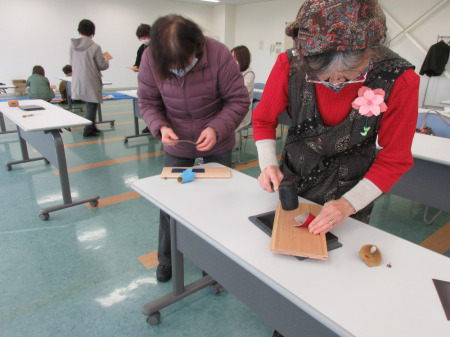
224 23
264 23
39 32
260 25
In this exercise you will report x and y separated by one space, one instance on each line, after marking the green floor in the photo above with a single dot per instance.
77 274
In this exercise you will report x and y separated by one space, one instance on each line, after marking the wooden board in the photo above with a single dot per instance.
298 241
210 172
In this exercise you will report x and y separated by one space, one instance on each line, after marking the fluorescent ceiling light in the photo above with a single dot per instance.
211 0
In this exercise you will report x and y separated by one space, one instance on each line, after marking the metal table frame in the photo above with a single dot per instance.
50 144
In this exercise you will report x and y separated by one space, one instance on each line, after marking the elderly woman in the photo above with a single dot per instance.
344 91
192 97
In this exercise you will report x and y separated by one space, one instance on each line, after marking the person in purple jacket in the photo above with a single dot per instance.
189 89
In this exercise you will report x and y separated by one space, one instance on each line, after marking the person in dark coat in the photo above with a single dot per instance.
143 35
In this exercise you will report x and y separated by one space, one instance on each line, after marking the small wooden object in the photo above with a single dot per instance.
210 172
13 102
297 241
371 255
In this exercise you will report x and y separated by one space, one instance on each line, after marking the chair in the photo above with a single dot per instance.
247 135
259 86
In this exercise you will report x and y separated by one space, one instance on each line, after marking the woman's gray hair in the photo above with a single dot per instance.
335 61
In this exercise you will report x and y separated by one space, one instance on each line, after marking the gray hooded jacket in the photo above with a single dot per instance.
87 61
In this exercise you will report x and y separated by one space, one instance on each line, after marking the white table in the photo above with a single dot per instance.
4 86
41 129
68 80
136 114
341 296
428 181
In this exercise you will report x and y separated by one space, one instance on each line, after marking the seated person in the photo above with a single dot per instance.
38 86
62 86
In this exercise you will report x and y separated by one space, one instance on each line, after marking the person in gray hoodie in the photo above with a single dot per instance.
192 97
87 61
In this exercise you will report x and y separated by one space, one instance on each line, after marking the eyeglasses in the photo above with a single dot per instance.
358 79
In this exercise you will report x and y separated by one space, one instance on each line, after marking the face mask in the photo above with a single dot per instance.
334 88
183 72
146 42
360 78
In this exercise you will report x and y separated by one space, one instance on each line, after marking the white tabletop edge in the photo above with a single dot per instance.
52 118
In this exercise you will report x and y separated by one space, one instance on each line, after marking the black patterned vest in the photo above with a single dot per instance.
327 161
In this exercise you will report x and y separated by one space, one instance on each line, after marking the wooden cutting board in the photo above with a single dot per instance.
209 172
297 241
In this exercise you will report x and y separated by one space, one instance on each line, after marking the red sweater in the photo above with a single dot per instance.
397 125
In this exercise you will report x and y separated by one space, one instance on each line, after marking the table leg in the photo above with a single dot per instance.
64 180
136 115
100 119
179 289
3 126
25 157
69 97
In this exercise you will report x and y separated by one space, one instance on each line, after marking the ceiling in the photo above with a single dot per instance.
225 2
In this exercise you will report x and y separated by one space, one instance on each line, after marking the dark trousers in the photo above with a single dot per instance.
164 242
91 114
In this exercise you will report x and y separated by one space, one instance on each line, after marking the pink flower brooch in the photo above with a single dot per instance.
369 102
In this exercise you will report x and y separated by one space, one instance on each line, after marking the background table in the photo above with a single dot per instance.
136 115
341 296
41 129
5 86
428 181
68 80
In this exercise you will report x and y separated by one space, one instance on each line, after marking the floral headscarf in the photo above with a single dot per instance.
337 25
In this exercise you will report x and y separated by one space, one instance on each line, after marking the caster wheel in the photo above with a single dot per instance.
44 216
46 162
8 167
154 318
93 203
125 141
112 123
215 288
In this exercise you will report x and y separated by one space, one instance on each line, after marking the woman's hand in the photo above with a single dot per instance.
332 215
168 137
207 139
271 174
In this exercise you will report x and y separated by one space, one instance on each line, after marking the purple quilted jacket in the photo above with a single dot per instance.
212 94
